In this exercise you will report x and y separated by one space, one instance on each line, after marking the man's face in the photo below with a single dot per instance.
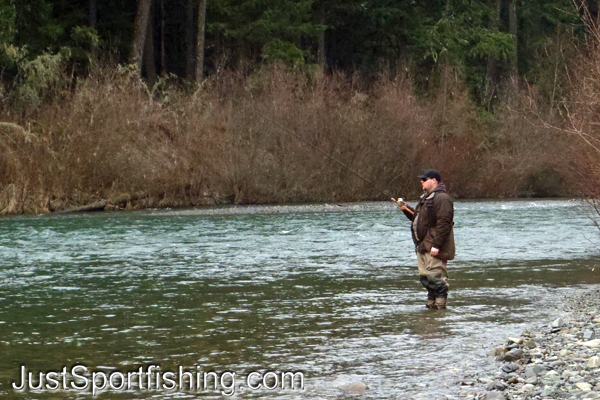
429 184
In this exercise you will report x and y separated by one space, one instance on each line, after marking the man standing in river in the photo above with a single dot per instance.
432 232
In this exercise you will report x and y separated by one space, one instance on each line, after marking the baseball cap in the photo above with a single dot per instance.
430 174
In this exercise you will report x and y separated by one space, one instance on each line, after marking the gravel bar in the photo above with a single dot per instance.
557 360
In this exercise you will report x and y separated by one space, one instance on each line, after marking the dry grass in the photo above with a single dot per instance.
273 137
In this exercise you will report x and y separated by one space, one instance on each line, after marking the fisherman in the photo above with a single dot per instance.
432 232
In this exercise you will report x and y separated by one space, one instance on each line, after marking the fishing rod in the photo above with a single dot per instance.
399 201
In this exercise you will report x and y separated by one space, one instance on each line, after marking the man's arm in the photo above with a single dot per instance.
408 211
444 212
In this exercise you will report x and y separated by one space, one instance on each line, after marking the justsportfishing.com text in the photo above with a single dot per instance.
81 379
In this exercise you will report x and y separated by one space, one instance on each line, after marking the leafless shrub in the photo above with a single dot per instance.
272 137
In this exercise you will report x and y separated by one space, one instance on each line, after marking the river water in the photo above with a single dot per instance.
330 291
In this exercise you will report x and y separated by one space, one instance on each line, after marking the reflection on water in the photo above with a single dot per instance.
329 290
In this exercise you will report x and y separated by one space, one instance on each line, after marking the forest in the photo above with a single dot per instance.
154 103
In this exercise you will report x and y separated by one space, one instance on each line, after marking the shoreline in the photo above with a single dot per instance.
559 359
114 206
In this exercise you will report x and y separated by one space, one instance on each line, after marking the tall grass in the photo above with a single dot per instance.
275 136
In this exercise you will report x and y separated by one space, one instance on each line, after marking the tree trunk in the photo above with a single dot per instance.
93 13
512 29
189 41
149 54
200 40
163 51
321 49
492 67
141 28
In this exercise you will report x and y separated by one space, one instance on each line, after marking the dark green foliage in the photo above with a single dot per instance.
540 24
279 50
7 22
423 37
36 27
243 29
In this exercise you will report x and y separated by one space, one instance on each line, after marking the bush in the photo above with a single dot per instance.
277 136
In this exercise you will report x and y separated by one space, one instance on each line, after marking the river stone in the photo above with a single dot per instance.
512 340
510 367
591 395
496 386
536 370
512 346
588 335
558 323
548 391
584 386
575 379
498 351
528 387
494 396
530 344
593 362
563 352
513 355
552 376
531 380
592 343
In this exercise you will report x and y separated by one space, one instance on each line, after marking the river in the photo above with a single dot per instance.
328 291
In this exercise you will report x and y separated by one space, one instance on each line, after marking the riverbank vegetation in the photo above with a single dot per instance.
294 101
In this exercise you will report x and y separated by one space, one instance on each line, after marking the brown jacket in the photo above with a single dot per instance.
432 223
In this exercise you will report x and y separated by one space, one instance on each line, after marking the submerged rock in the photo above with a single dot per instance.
354 388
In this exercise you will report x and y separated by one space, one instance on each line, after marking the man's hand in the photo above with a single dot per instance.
435 251
401 204
402 207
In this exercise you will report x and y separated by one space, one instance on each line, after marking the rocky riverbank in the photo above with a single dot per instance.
557 360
